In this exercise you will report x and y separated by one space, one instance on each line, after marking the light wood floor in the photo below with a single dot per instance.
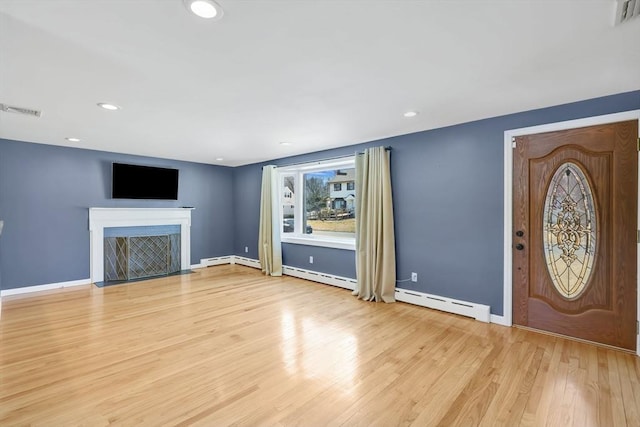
227 346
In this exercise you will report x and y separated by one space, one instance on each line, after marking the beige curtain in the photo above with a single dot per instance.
269 245
375 240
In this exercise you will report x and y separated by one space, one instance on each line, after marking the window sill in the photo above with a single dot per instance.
336 243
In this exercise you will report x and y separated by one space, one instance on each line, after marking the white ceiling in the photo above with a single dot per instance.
318 74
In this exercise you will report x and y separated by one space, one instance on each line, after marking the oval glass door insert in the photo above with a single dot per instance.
569 232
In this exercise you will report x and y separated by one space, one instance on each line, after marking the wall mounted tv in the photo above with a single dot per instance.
143 182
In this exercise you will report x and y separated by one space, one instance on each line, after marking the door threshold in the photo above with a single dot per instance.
570 338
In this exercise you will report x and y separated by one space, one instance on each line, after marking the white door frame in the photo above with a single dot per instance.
509 135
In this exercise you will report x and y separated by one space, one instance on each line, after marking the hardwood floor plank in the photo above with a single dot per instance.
605 408
229 346
629 391
617 402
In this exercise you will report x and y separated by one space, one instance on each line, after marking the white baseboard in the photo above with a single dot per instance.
499 320
479 312
47 287
208 262
249 262
37 288
314 276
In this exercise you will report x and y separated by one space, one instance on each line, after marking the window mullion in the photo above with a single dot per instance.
281 201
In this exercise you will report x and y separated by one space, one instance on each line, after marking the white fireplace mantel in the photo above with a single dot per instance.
101 218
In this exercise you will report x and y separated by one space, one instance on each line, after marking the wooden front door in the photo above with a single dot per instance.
574 232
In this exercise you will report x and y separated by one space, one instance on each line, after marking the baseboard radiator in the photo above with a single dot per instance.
209 262
248 262
314 276
479 312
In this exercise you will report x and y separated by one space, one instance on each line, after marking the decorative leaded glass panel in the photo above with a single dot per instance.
569 232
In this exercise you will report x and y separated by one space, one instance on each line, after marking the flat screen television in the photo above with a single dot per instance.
143 182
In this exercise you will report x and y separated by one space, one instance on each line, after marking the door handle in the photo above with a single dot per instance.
519 246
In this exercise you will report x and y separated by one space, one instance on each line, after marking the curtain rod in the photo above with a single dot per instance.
326 159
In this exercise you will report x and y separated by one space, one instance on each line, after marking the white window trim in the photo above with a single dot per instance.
298 237
324 241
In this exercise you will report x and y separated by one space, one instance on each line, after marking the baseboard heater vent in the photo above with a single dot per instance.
328 279
20 110
209 262
246 261
479 312
627 10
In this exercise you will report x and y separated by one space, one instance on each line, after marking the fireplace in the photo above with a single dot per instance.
139 252
130 243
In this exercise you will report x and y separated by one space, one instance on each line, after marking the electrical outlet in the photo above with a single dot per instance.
414 277
310 259
246 249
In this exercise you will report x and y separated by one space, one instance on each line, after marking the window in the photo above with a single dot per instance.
288 203
315 211
351 186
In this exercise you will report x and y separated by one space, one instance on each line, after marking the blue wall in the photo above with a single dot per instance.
448 203
45 193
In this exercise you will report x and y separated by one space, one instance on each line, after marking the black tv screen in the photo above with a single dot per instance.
143 182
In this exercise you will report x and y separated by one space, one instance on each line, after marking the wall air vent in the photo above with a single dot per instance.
19 110
627 10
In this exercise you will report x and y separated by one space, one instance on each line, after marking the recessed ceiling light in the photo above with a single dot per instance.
411 114
107 106
219 159
73 139
207 9
285 143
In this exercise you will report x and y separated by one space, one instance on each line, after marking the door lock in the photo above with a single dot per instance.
519 246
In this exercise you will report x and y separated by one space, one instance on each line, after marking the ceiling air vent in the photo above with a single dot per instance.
627 9
19 110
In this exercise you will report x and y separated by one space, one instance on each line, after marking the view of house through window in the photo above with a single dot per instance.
319 203
329 206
